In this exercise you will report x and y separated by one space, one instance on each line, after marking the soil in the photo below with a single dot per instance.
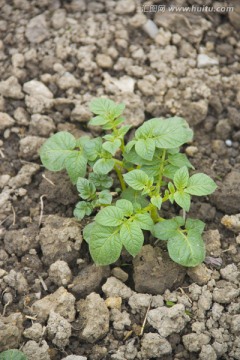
55 57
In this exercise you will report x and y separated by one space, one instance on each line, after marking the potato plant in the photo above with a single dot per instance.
150 170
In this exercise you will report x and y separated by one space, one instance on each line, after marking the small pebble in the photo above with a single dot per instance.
191 151
228 142
150 28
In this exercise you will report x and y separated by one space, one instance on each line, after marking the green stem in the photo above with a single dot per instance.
120 177
159 183
118 162
154 214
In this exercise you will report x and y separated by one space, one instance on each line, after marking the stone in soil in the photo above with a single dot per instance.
58 19
61 302
11 88
93 318
118 273
34 350
227 196
225 292
168 320
35 332
119 319
124 7
114 302
17 281
89 280
20 241
58 330
139 303
60 239
232 222
21 116
154 271
41 125
207 353
114 287
67 81
212 242
5 121
37 88
194 342
11 329
60 273
230 273
37 30
29 147
81 113
153 346
134 111
199 274
24 176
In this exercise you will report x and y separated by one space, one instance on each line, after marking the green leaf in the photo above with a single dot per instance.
103 166
132 237
171 188
119 121
169 171
85 188
187 250
195 224
56 150
166 229
167 133
200 184
179 160
147 129
183 200
100 180
98 121
134 197
137 179
107 108
129 145
112 146
80 142
93 148
157 201
88 231
126 207
123 130
105 245
12 355
145 148
82 208
76 166
110 216
144 221
181 178
134 158
104 197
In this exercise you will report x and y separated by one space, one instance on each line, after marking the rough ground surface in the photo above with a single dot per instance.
55 56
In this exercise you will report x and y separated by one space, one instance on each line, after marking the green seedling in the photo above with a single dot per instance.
150 171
